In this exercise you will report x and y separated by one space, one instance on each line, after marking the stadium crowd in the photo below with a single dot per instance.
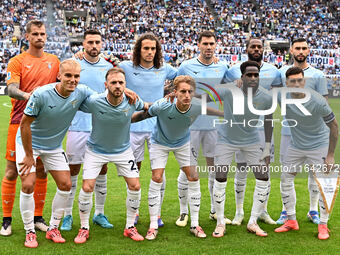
177 24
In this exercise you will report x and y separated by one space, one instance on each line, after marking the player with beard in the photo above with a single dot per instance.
146 75
269 77
315 79
93 70
313 143
233 138
109 141
205 70
26 72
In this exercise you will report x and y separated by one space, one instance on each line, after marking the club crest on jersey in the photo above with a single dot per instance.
74 102
49 65
126 110
30 107
156 72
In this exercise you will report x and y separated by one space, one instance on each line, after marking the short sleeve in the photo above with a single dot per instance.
277 79
324 109
171 72
13 71
321 85
156 107
86 105
33 106
181 69
139 104
232 74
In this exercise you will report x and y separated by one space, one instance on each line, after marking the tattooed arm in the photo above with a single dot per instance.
16 93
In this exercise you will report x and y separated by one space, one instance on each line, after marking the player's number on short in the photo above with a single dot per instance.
133 165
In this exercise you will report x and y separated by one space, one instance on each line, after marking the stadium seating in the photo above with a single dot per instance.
177 24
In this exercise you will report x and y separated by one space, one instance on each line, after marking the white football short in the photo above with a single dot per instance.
296 159
137 142
285 143
75 146
55 160
207 138
225 153
184 155
240 157
125 163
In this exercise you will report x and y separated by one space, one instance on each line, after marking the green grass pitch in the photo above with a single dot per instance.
172 239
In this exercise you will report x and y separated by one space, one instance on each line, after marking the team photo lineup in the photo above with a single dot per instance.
73 115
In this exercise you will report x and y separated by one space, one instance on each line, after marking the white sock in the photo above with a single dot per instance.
194 195
288 192
259 199
70 200
324 215
219 200
132 205
27 211
266 203
154 198
162 194
100 190
182 182
313 193
240 183
85 206
211 180
58 207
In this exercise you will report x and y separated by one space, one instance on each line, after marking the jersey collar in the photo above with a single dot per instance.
181 111
91 63
204 64
146 68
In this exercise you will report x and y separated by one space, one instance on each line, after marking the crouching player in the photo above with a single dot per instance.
312 143
171 133
109 141
46 119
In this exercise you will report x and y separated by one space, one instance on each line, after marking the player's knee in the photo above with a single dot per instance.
65 185
27 187
221 179
88 188
134 186
157 178
11 175
11 172
193 177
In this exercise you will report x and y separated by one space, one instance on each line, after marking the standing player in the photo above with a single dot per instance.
312 143
25 73
239 135
315 80
110 142
203 69
146 75
269 77
172 134
93 70
46 118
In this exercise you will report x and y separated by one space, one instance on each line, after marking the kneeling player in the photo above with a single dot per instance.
110 142
312 143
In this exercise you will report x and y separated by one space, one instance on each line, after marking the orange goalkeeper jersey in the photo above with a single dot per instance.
30 72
